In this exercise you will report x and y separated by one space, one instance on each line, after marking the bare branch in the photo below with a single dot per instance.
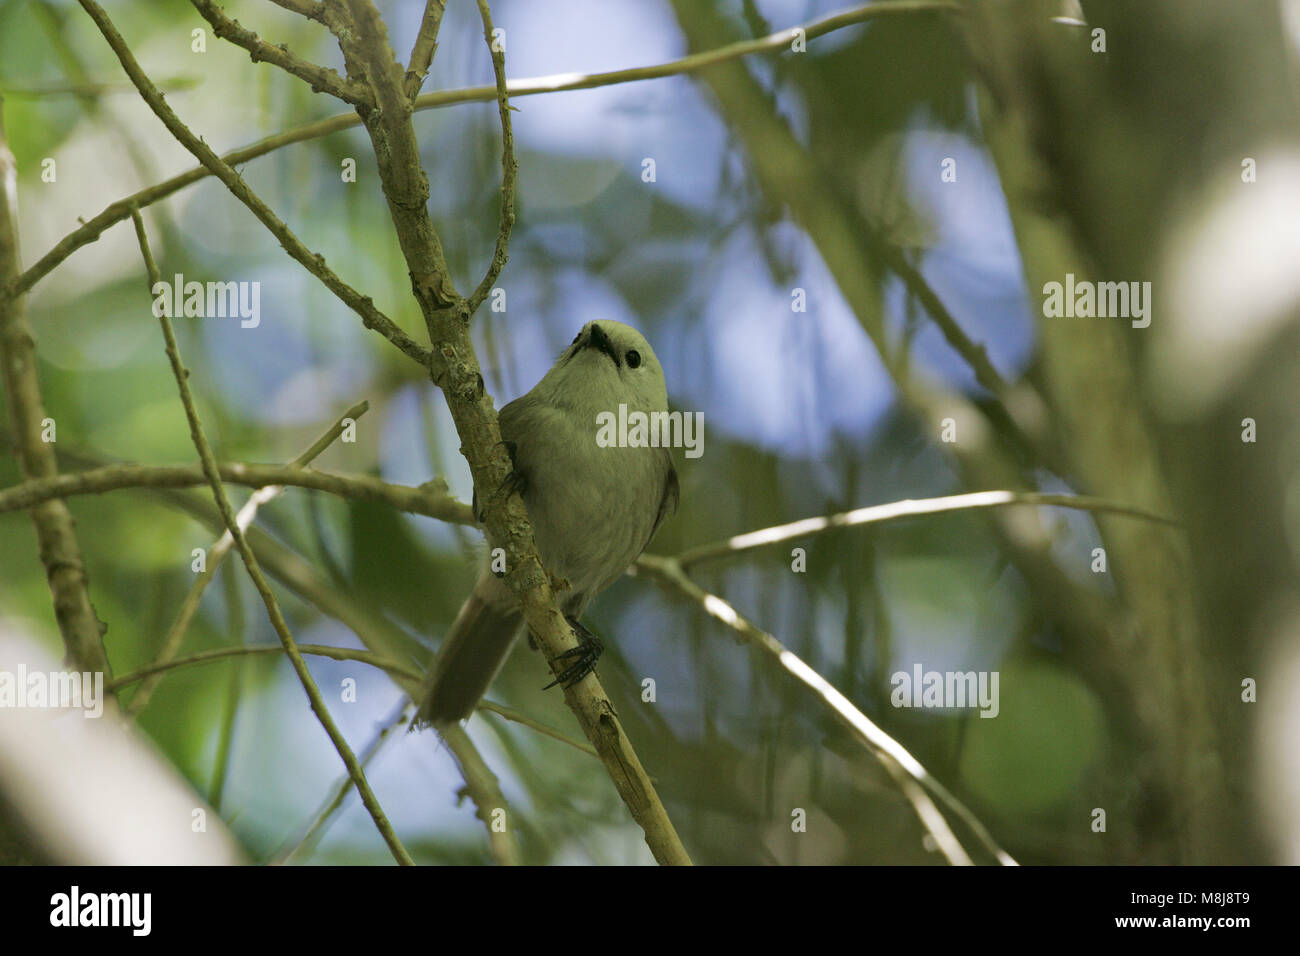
321 79
483 788
426 44
556 83
431 500
221 547
181 374
894 510
56 534
896 759
394 668
344 787
311 9
509 167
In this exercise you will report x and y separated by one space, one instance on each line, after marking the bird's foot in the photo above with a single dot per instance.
579 661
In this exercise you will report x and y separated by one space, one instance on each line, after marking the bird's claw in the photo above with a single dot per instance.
583 657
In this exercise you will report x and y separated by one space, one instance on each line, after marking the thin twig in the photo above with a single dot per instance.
509 167
321 79
484 790
341 790
889 751
519 718
391 667
431 499
531 86
181 374
395 668
894 510
218 550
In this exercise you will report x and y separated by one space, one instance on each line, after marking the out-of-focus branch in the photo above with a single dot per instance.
209 462
894 510
60 552
1088 371
221 547
321 79
916 783
483 788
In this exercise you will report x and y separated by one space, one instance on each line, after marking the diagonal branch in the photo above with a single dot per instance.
181 374
371 317
321 79
426 44
221 547
914 780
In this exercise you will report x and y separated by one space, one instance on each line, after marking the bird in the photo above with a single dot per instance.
594 508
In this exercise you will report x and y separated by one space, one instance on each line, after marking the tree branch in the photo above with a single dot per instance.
311 9
482 786
426 44
60 552
221 547
181 374
430 499
509 168
894 510
898 762
395 668
368 55
321 79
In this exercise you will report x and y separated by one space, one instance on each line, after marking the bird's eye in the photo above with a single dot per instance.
633 358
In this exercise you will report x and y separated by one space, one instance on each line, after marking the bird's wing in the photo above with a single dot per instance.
672 494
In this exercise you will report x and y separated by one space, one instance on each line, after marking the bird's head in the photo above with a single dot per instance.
607 364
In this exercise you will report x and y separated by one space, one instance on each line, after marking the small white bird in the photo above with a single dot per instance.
594 509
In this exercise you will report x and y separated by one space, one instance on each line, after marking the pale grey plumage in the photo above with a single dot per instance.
594 509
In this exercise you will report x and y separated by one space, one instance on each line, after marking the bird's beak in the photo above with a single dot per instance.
599 340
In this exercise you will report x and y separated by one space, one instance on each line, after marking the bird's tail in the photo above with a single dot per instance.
477 645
